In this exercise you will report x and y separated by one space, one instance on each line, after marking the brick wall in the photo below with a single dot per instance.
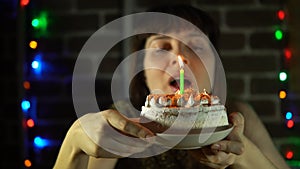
294 27
249 52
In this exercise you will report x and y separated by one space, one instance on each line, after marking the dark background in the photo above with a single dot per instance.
251 56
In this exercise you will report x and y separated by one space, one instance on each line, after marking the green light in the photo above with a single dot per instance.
35 23
282 76
278 34
40 22
293 163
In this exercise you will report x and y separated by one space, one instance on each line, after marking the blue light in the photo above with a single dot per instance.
25 105
288 115
35 64
40 142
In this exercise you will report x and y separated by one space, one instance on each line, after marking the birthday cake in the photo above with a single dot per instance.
199 109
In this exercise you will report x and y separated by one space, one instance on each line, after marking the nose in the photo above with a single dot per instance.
178 49
174 60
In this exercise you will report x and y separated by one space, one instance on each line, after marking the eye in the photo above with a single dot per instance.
159 50
162 48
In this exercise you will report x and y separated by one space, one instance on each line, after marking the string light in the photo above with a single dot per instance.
26 85
33 44
282 76
288 115
40 142
35 64
278 34
282 94
39 24
289 154
25 105
290 123
287 53
35 22
281 15
41 21
30 123
27 163
24 3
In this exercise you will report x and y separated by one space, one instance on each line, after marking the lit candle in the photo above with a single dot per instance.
180 61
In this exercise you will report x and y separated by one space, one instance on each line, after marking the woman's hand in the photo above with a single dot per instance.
106 134
225 152
110 134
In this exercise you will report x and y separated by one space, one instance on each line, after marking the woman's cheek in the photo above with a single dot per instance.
151 77
155 80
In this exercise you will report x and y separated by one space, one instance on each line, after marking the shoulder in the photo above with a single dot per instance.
126 108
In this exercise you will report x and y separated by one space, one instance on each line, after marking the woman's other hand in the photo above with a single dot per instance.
225 152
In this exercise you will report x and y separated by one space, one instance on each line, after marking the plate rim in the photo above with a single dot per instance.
197 131
229 128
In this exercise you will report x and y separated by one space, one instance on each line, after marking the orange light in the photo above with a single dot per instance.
30 123
290 124
289 155
24 2
27 163
282 94
26 85
281 14
33 44
287 53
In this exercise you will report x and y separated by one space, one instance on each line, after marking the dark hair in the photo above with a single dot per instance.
138 87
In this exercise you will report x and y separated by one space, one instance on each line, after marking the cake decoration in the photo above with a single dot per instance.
164 108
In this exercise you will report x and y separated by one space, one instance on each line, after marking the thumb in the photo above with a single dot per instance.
237 119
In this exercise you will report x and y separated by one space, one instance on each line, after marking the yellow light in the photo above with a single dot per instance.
282 94
27 163
33 44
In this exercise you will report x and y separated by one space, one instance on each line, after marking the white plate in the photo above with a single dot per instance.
194 140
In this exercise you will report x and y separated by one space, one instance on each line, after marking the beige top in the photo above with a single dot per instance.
172 159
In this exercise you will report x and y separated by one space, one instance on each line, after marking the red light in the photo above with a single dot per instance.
26 85
290 124
289 155
281 14
287 53
24 2
30 123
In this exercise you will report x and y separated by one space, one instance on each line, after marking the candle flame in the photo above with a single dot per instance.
180 61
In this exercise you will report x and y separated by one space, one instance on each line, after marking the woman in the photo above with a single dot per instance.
247 146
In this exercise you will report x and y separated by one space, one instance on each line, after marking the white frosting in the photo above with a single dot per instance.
212 116
165 102
209 112
190 102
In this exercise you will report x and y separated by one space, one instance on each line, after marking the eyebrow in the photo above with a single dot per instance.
156 37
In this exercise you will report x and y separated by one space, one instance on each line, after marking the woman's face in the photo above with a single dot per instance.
162 67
